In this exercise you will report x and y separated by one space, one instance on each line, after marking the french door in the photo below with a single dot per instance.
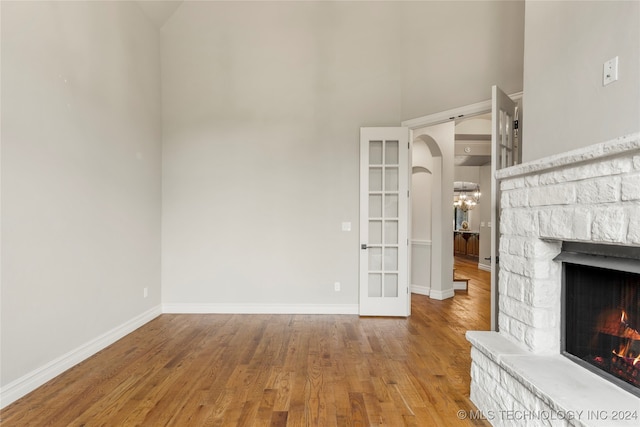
505 151
384 221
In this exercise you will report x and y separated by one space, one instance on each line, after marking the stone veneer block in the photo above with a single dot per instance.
631 188
609 224
633 235
553 195
556 223
602 190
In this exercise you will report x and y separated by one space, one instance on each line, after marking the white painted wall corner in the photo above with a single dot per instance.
34 379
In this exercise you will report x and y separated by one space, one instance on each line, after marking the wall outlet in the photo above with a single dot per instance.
145 292
610 71
336 286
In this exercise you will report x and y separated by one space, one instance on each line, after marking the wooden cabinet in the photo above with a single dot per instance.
466 243
459 244
473 245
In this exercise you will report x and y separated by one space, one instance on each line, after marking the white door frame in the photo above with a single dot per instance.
455 113
471 110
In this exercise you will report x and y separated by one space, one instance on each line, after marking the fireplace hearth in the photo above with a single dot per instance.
601 311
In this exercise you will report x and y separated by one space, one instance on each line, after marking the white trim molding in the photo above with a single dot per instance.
420 290
460 285
484 267
230 308
418 242
442 295
34 379
446 116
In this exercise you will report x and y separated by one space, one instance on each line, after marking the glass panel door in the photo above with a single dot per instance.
384 201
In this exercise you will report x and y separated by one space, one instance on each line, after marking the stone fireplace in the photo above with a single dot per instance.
519 374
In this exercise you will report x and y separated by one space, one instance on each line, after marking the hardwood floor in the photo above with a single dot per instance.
275 370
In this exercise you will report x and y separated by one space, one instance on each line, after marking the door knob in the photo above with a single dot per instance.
363 246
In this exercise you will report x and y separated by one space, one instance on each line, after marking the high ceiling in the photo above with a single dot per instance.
473 134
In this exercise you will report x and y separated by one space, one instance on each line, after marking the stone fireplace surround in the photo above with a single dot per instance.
518 376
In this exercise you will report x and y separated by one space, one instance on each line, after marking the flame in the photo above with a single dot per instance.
623 349
623 318
636 360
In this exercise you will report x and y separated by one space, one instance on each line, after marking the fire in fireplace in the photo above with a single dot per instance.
601 310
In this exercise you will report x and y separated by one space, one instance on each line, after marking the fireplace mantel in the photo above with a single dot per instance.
615 147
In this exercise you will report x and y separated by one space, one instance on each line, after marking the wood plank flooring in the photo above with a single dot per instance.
275 370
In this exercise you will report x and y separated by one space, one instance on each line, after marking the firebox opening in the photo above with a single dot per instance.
601 311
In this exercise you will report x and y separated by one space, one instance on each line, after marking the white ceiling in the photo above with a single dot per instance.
159 11
473 141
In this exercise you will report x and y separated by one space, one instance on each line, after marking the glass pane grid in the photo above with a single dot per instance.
383 218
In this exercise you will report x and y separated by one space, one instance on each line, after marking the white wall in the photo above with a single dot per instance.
456 50
421 212
564 103
422 166
262 103
421 206
80 176
262 108
420 278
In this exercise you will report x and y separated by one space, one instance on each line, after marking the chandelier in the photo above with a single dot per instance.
466 199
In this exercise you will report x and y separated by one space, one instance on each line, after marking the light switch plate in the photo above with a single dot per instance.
346 226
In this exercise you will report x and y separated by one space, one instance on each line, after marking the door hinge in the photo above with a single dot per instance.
515 124
407 193
408 146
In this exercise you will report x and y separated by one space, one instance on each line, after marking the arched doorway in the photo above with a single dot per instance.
432 216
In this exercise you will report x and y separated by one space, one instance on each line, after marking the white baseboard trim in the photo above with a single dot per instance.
460 285
420 290
484 267
34 379
193 308
441 295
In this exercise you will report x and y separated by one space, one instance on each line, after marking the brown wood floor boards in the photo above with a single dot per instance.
276 370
